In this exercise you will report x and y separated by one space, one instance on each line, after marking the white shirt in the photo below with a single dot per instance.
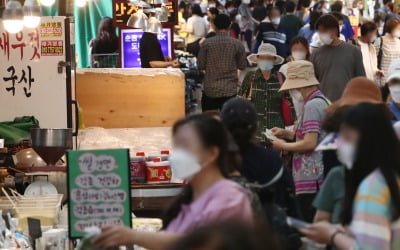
316 42
370 60
197 27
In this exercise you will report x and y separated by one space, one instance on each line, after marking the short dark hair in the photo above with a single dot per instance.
328 21
339 16
314 16
368 27
290 7
281 5
391 24
214 11
303 4
196 10
222 22
387 1
274 8
337 6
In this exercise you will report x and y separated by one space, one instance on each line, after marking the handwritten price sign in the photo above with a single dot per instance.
99 191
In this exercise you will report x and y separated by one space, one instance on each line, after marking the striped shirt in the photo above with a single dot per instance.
391 51
308 167
278 37
372 225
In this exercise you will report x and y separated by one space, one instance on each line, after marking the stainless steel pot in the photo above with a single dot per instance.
51 144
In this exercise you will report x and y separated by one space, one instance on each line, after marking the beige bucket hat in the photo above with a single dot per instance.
300 74
266 49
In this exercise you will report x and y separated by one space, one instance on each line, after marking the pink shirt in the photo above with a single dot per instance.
223 201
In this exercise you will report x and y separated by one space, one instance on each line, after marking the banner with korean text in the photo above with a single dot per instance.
33 79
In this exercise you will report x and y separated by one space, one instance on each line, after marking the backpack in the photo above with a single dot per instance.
286 105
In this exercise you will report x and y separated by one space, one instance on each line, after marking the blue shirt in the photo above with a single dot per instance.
347 30
395 111
277 37
307 32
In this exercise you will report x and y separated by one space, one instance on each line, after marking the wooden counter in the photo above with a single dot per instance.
130 98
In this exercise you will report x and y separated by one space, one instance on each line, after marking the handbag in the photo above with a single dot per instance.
286 106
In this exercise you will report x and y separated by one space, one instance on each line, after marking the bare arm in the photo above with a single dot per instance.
309 143
322 216
160 64
114 236
156 240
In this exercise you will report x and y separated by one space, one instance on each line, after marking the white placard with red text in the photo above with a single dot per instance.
30 83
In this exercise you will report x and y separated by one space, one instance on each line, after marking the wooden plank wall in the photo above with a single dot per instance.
130 98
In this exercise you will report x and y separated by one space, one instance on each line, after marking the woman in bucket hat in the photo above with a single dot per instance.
261 88
307 164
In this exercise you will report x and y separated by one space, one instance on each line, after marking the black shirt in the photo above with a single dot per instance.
105 46
150 49
260 164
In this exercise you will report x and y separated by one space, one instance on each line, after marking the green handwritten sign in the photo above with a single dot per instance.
98 188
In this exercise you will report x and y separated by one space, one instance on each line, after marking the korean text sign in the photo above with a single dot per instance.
130 46
30 84
122 10
99 189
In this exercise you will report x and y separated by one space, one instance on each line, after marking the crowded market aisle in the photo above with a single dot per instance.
245 124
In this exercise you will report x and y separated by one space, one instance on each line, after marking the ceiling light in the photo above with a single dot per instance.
13 17
32 13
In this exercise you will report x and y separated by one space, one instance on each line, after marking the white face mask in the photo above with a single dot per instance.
346 154
246 1
395 93
298 107
372 40
276 20
184 165
299 55
340 27
296 95
396 33
380 30
325 38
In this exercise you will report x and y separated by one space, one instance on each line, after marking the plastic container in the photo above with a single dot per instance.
137 167
163 154
158 171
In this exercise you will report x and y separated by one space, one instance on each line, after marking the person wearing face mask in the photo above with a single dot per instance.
368 51
337 62
300 51
307 164
261 88
201 157
316 41
329 200
274 33
393 83
372 184
388 46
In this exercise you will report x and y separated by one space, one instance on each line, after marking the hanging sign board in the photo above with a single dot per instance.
98 189
123 9
30 81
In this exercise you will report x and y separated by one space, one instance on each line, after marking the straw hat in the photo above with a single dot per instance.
266 49
358 90
300 74
394 70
